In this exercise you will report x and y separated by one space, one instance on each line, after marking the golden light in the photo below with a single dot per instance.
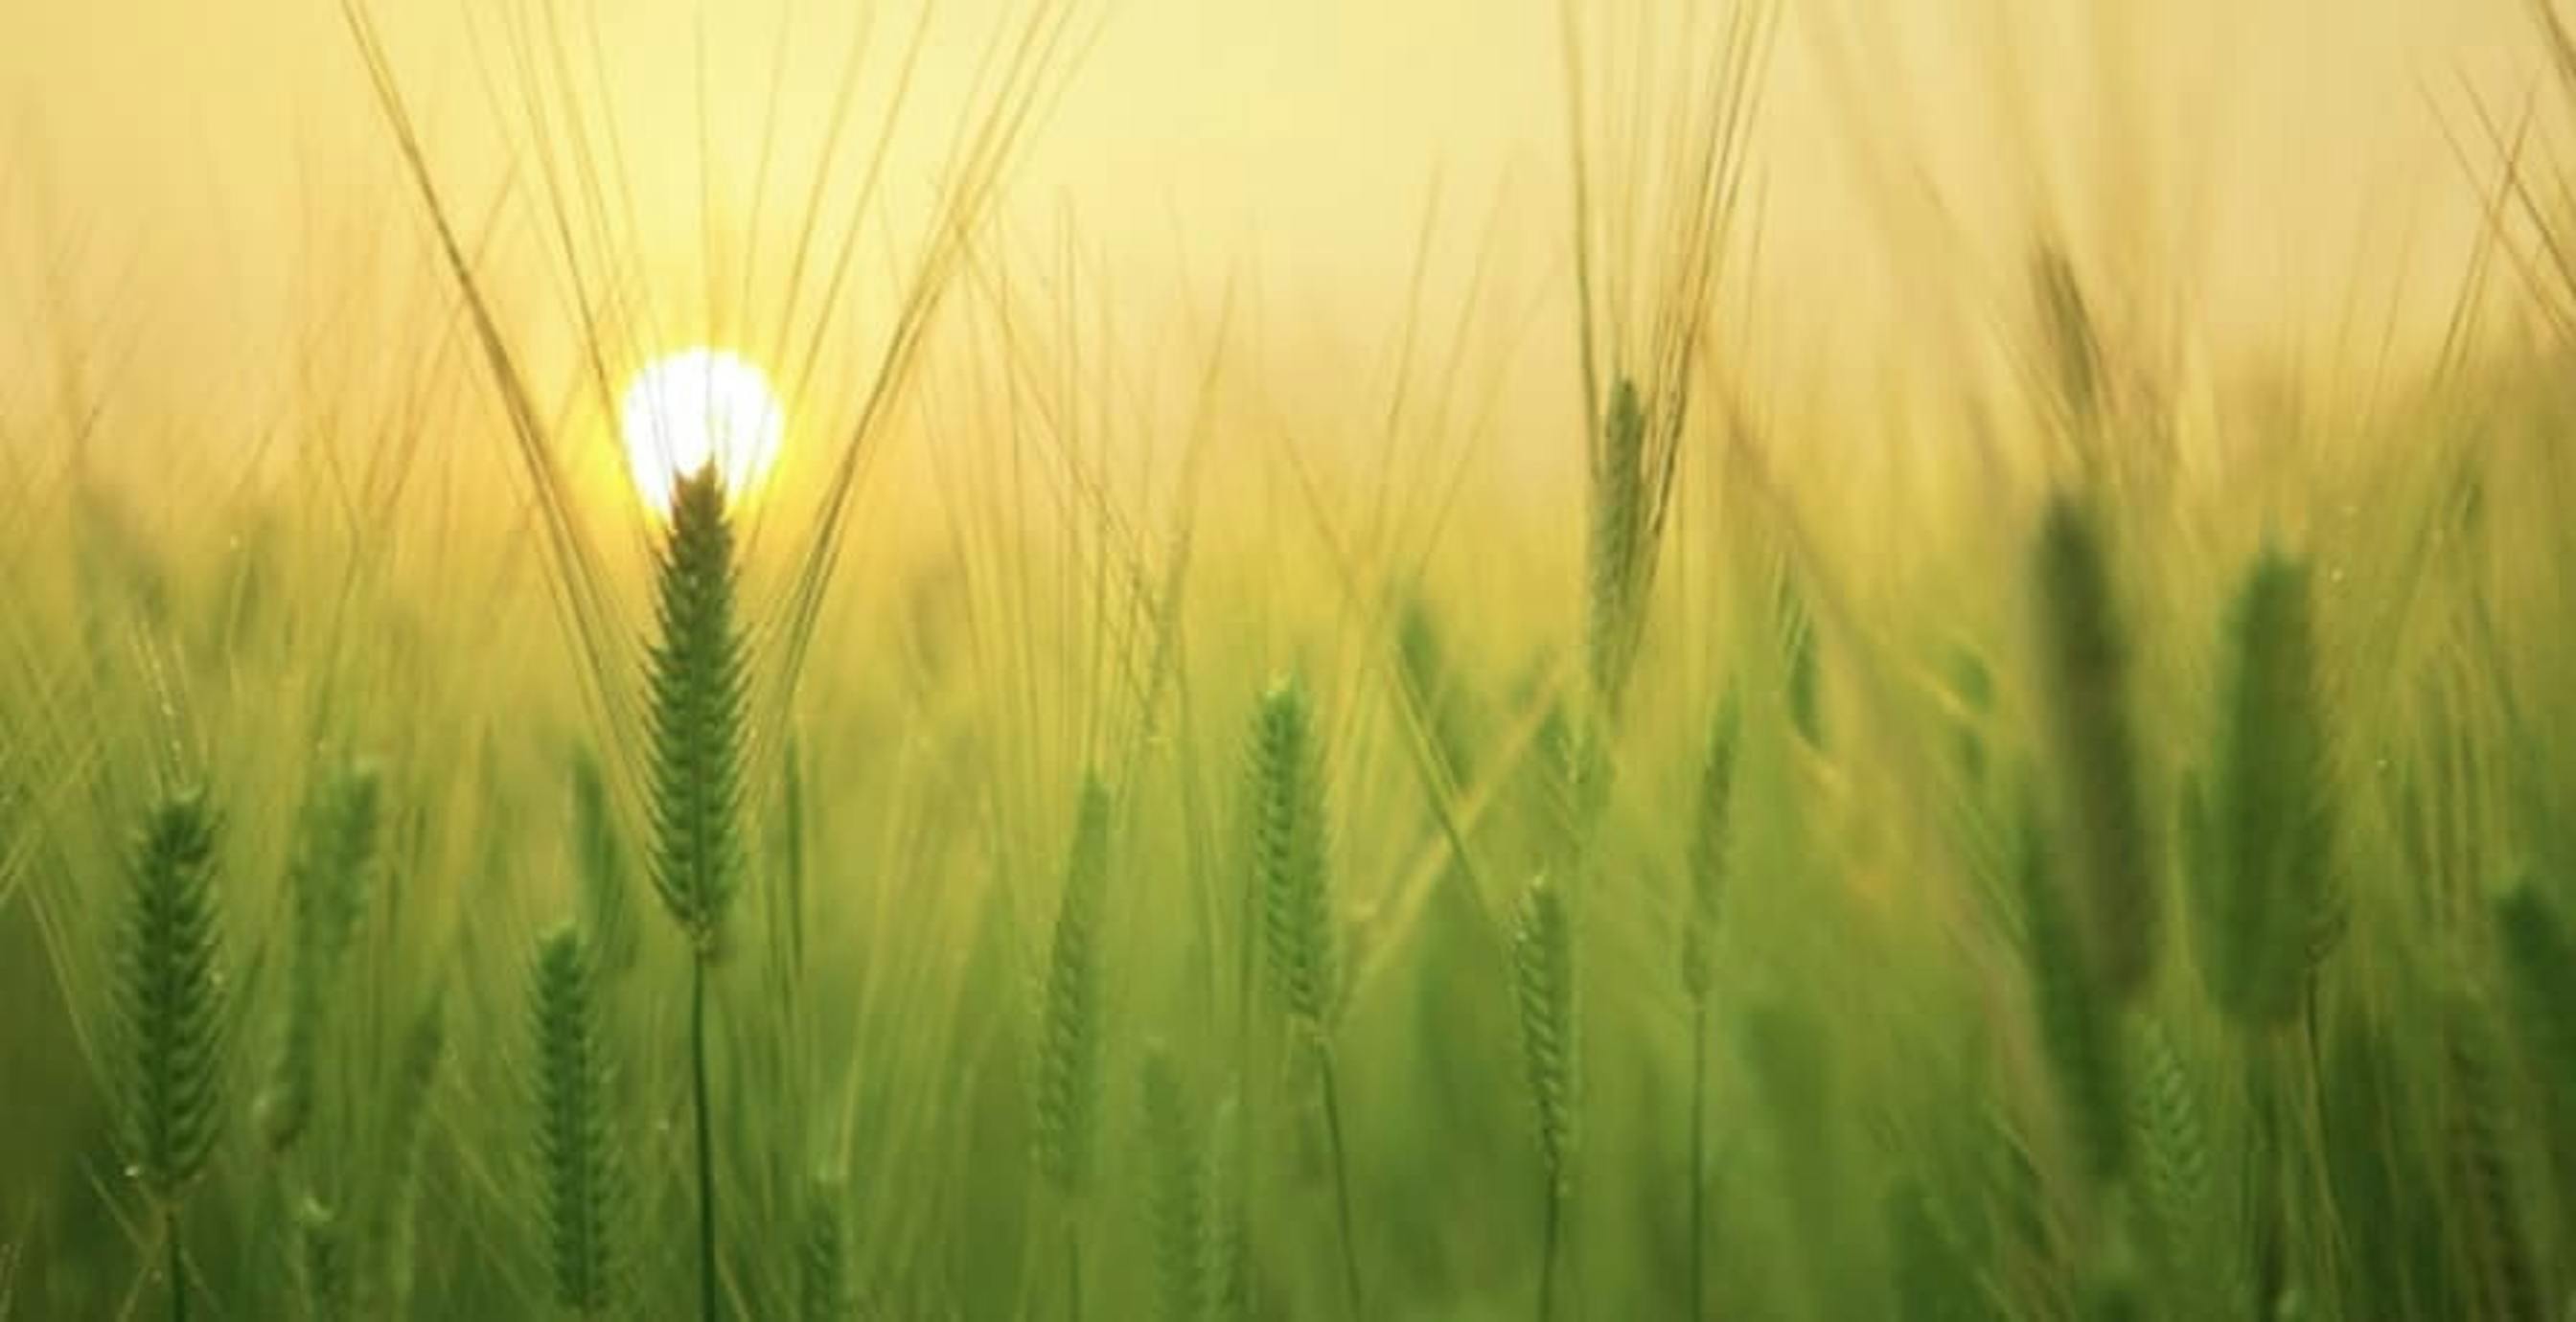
699 406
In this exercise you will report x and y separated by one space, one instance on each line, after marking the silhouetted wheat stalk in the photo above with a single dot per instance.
696 693
170 1014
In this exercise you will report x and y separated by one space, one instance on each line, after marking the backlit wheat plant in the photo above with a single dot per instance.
1544 987
2264 882
2110 851
577 1169
1652 234
1292 885
384 1287
327 895
1070 1034
170 1071
1712 831
696 696
1178 1213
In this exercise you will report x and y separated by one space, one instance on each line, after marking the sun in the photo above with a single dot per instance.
697 407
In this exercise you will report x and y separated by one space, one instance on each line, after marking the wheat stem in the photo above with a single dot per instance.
1341 1180
707 1304
178 1276
697 713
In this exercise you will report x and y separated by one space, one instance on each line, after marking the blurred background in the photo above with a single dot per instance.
182 174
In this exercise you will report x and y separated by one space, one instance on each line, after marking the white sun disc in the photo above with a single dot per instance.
695 408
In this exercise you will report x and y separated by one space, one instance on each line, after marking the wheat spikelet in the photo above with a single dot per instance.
696 699
1712 831
578 1176
1543 984
696 695
327 892
1229 1267
2181 1213
2084 677
1070 1033
1288 851
1544 990
2485 1203
1177 1208
2077 1030
170 1001
385 1289
2266 894
1620 513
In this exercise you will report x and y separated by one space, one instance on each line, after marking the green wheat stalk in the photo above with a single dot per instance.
1624 516
170 1016
1292 883
578 1185
385 1291
1544 989
327 888
2084 679
1177 1205
1288 844
2485 1203
1068 1066
1229 1271
2265 885
2179 1188
696 690
2076 1018
1712 832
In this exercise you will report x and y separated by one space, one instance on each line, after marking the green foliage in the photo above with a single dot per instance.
1935 1280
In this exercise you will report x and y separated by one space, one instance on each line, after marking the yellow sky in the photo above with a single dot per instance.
171 166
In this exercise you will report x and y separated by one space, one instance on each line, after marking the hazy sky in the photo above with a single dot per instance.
170 165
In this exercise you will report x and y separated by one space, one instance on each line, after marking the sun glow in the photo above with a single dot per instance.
697 407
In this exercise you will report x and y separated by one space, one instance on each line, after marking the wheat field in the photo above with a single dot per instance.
828 750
